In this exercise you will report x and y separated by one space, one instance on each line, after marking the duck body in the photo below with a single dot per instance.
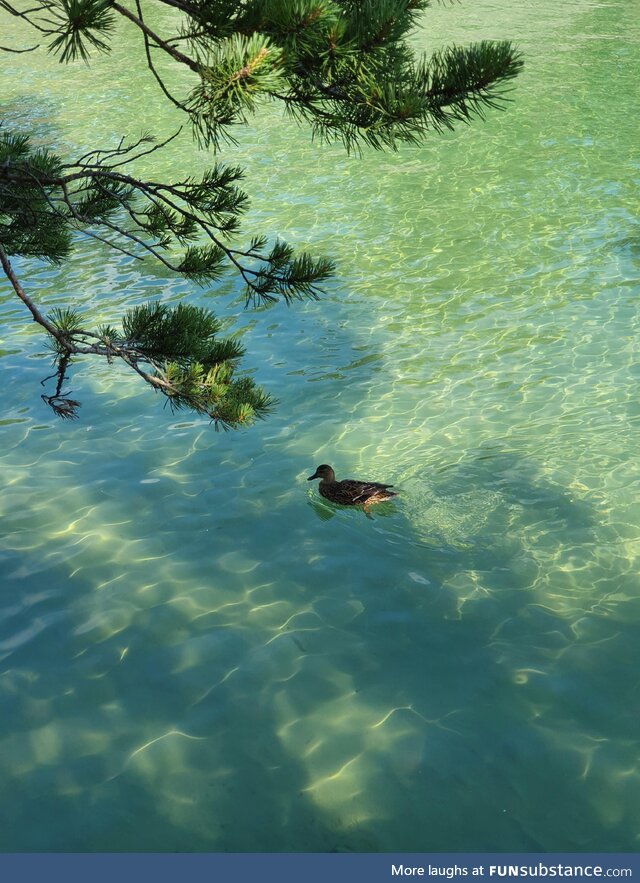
350 492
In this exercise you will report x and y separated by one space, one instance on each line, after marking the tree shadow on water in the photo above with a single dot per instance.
189 760
505 642
420 680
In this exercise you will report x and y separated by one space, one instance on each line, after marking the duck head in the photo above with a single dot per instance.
324 472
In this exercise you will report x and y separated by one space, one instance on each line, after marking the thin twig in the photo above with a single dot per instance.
19 51
170 50
24 297
152 67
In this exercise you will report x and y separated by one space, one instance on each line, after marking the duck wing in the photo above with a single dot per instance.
358 491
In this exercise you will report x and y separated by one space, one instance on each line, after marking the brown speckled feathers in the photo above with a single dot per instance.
350 492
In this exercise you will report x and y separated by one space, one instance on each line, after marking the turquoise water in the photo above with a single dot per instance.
196 651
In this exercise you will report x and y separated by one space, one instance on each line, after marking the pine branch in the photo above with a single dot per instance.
26 300
344 67
190 366
78 23
146 30
92 195
19 51
234 73
152 67
60 402
26 15
460 81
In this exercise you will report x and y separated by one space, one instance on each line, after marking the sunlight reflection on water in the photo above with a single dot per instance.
199 653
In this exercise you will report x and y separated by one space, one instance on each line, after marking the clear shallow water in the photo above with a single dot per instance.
196 652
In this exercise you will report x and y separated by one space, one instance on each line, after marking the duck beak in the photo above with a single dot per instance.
315 475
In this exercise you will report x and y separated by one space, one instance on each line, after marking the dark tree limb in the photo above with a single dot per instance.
170 50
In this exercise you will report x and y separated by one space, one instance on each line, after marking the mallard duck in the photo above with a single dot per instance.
348 491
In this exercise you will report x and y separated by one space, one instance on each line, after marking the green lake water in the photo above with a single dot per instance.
196 651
